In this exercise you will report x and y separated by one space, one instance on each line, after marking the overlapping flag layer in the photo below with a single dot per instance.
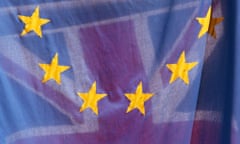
118 72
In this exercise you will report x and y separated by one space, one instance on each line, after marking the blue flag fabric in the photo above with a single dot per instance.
123 46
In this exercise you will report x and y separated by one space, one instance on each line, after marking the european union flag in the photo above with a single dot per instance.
116 72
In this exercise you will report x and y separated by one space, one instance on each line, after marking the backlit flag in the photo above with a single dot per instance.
116 72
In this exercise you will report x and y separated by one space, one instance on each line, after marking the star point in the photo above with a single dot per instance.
91 98
138 99
208 24
33 23
53 70
181 69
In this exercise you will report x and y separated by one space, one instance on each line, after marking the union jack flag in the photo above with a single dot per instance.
122 46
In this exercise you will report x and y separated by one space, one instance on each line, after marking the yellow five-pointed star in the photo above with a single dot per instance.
33 23
208 24
53 70
138 99
91 99
181 69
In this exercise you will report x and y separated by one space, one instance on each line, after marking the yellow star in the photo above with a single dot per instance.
138 99
181 69
33 23
208 24
91 99
53 70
